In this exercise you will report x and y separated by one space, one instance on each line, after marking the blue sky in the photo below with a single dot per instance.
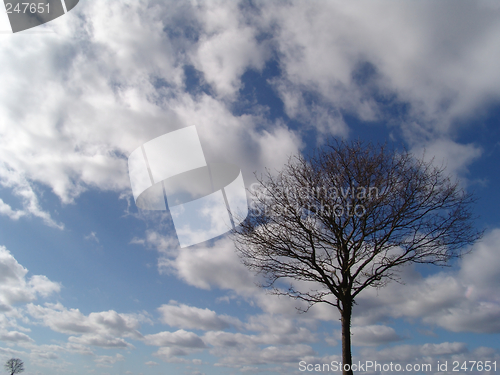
89 284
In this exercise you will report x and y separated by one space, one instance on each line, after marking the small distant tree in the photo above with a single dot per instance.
347 218
14 366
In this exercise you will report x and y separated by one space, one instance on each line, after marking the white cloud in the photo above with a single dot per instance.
45 355
172 354
15 337
189 317
50 356
163 244
228 339
120 85
252 355
108 361
78 348
465 300
102 341
175 344
453 156
58 318
249 141
22 188
121 82
438 58
103 329
200 266
277 146
480 268
9 353
180 338
328 121
478 309
278 329
43 286
7 210
13 285
228 48
276 334
279 340
92 237
373 335
70 133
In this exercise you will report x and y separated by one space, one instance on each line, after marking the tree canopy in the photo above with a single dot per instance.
348 217
14 366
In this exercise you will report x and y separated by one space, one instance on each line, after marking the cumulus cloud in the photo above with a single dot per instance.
118 89
485 258
78 348
101 341
7 210
240 340
338 54
175 344
15 179
15 337
200 266
189 317
479 311
45 355
445 153
173 354
228 46
460 301
9 353
278 339
373 335
103 329
108 361
14 288
281 329
250 141
180 338
123 82
274 334
43 286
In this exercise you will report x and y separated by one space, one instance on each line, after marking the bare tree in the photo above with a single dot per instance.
14 366
349 217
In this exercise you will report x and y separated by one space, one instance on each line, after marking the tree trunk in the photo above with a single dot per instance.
346 313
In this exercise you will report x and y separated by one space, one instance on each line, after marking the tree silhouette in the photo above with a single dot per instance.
14 366
348 217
